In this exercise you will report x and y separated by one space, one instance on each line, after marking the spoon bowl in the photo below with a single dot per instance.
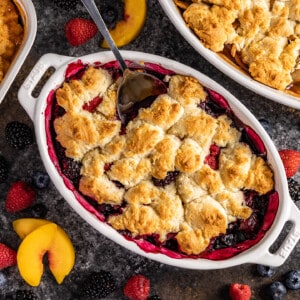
136 86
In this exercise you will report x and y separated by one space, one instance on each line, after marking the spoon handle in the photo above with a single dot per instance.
96 16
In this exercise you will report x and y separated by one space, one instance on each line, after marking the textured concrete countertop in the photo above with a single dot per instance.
94 251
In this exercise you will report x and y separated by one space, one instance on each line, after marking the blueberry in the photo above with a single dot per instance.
277 290
3 279
40 180
265 271
266 125
292 280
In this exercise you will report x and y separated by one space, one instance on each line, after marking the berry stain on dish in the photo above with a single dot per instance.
185 177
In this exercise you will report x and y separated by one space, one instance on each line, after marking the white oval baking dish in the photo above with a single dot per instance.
28 14
287 211
233 72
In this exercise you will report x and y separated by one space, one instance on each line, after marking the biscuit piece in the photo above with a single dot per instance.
79 133
234 205
163 156
189 156
163 112
260 177
196 124
213 24
234 165
130 171
186 90
101 189
141 138
209 180
74 94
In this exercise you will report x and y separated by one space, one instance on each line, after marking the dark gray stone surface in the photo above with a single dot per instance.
94 251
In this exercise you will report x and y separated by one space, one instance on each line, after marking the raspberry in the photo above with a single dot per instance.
8 256
137 288
291 161
18 135
79 30
20 196
98 285
238 291
3 169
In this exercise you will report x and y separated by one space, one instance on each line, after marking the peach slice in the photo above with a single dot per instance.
128 29
31 251
61 253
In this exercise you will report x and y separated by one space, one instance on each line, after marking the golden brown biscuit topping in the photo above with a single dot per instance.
172 137
11 34
262 37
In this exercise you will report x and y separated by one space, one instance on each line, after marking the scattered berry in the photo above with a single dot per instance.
277 290
292 280
266 125
20 196
265 271
67 5
291 161
18 135
154 297
137 288
294 189
112 11
3 169
98 285
79 30
40 180
3 279
8 256
238 291
25 295
39 210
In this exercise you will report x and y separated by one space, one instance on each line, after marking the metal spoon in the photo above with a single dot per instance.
136 86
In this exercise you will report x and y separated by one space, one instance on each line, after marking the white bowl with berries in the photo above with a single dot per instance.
191 180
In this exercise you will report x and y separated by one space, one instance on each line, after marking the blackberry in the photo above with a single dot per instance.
98 285
3 169
294 189
292 280
18 135
40 179
25 295
67 5
39 210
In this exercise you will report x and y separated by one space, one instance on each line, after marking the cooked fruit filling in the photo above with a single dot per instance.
11 33
184 176
260 37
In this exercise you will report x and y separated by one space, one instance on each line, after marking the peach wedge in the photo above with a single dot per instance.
61 253
128 29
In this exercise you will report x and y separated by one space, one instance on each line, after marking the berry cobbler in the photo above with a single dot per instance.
184 176
262 38
11 34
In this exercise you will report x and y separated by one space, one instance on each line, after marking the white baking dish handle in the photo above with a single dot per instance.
25 92
288 244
